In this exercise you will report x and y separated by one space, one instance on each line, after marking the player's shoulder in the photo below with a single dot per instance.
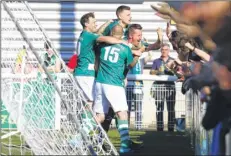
124 47
88 34
114 23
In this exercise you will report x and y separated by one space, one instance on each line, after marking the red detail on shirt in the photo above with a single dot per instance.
72 64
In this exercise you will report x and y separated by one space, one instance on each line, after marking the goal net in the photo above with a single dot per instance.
42 109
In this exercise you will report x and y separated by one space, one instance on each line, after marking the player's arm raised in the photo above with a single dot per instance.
103 27
110 40
158 43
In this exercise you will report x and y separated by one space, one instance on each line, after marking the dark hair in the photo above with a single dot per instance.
176 35
121 9
133 27
47 45
178 41
85 18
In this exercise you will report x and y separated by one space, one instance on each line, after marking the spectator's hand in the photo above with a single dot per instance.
162 8
170 65
160 34
181 79
188 45
189 30
154 72
166 17
206 90
168 30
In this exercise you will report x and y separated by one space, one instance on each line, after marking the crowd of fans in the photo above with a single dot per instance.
207 23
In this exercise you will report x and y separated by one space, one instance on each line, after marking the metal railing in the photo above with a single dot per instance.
170 105
200 138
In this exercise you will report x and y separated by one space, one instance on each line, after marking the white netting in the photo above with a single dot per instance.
47 109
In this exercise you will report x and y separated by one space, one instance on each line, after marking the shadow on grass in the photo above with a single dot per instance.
157 143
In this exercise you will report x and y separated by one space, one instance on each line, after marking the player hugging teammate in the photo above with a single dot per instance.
104 58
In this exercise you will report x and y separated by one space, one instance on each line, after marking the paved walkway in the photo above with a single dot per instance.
159 143
165 143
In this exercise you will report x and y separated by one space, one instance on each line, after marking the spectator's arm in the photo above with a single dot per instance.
57 65
165 10
201 53
154 46
103 27
178 61
175 16
168 30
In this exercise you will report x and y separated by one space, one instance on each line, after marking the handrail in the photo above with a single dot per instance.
129 76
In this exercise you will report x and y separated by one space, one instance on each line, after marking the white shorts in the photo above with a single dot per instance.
87 85
107 96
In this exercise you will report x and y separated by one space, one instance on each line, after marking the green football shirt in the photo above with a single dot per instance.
107 31
113 61
86 54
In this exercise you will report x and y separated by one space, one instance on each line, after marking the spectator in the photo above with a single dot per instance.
22 57
50 60
206 57
164 90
